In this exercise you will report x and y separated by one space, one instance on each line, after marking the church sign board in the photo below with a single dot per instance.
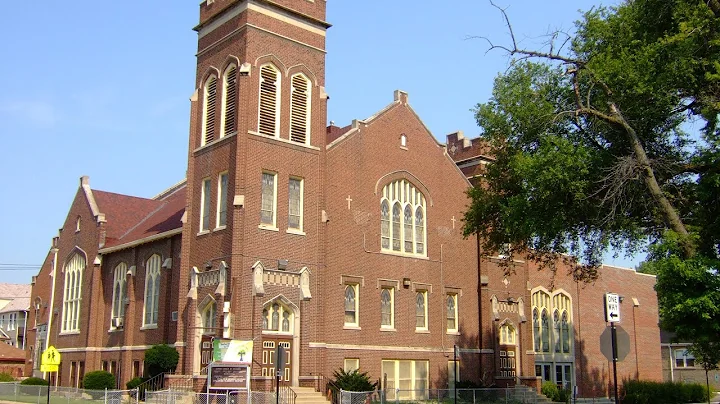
228 376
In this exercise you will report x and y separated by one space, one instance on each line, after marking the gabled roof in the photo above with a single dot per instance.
130 218
10 291
17 304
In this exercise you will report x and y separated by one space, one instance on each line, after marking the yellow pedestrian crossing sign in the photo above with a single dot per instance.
50 360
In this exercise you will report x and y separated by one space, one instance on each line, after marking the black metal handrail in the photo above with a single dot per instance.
328 388
287 395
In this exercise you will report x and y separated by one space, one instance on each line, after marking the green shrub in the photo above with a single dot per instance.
34 381
6 377
647 392
550 390
133 383
161 359
353 381
99 380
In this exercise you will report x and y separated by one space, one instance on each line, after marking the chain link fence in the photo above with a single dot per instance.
19 393
460 396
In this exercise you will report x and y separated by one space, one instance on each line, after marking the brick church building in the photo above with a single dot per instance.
342 244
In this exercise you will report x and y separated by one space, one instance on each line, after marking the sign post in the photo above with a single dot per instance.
612 316
49 362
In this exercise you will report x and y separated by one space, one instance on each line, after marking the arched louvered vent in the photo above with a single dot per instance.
269 111
230 113
300 109
210 102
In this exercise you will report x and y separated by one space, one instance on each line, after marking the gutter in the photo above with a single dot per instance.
138 242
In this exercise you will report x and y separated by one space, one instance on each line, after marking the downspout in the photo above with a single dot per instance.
672 373
480 310
52 300
27 313
52 295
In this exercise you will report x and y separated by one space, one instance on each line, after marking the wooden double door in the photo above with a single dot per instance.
269 359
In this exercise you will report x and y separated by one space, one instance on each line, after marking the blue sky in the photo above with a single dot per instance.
101 89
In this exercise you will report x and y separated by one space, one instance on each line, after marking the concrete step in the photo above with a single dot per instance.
308 395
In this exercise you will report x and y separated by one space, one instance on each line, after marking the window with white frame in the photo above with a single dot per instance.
351 364
205 205
269 111
268 199
152 290
451 312
229 101
507 334
119 292
209 105
403 219
300 109
387 307
552 322
72 293
421 310
684 358
278 318
406 378
209 318
351 305
561 315
295 201
222 200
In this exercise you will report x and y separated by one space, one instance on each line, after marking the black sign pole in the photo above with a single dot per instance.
613 338
49 382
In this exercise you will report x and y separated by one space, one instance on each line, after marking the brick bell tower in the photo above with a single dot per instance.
254 225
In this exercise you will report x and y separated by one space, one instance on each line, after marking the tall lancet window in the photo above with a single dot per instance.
403 230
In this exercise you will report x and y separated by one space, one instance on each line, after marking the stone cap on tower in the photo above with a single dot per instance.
311 10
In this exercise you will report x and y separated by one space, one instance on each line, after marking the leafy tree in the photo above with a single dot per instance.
707 354
99 380
592 153
589 145
353 381
161 359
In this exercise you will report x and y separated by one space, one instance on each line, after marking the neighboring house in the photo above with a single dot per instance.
342 244
679 364
14 306
12 360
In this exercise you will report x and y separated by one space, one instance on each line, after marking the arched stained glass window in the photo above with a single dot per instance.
396 230
545 324
351 317
536 330
385 225
565 333
405 232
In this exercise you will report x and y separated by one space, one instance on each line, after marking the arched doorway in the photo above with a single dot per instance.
281 327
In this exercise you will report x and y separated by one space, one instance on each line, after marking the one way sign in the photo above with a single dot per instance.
612 307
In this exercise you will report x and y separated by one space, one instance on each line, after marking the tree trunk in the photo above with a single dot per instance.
707 384
668 211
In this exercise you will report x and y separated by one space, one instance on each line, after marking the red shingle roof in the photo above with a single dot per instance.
130 218
11 354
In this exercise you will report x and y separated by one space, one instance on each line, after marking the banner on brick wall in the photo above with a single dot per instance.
232 351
